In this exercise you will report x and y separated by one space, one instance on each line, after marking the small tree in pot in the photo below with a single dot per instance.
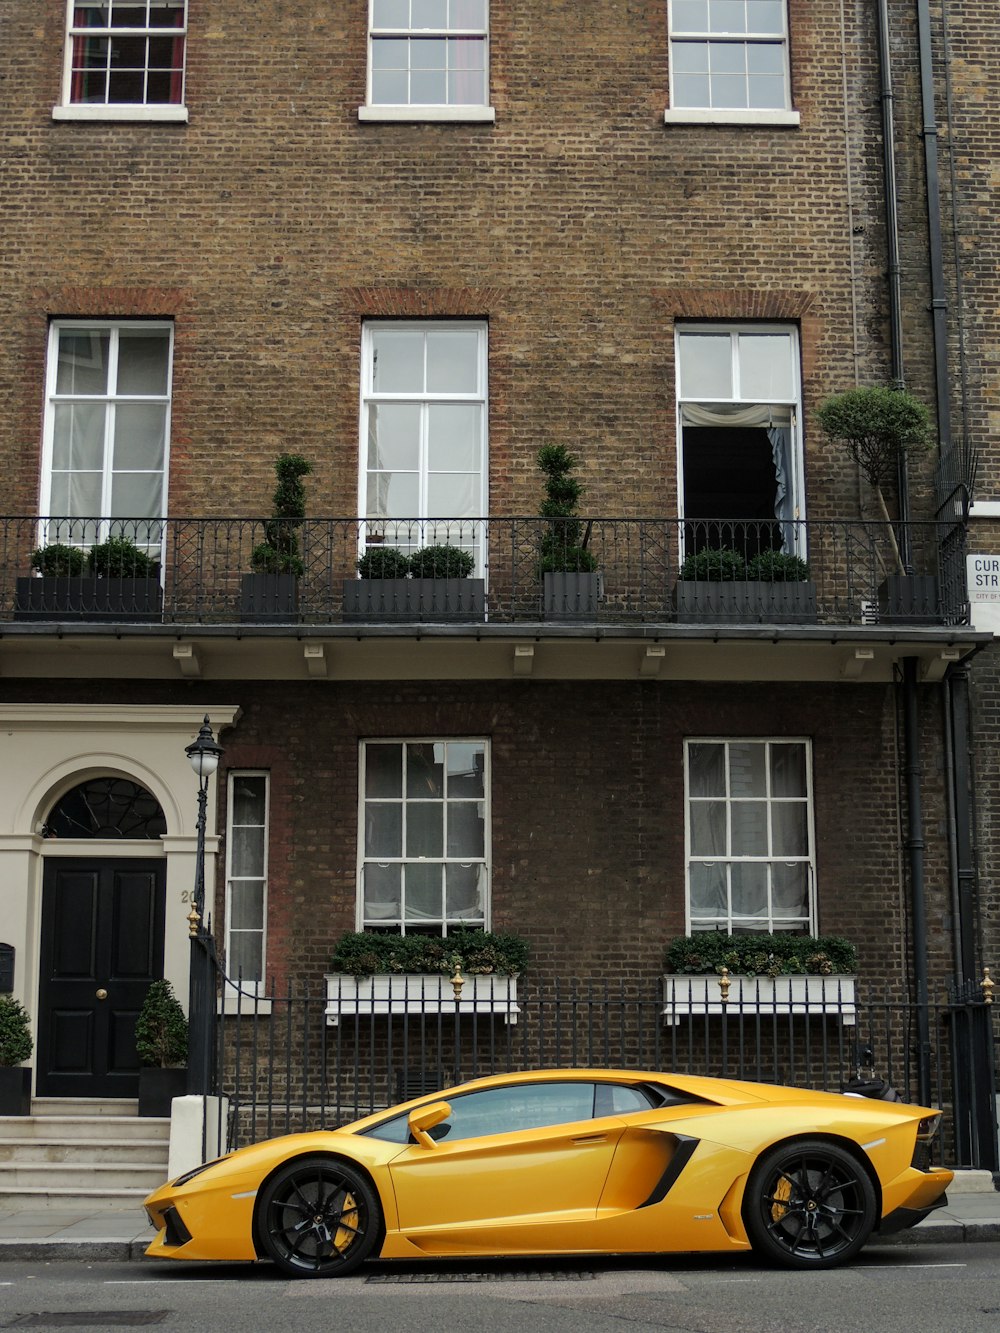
161 1042
15 1047
567 567
272 590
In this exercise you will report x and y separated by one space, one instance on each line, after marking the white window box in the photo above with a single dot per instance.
685 995
431 993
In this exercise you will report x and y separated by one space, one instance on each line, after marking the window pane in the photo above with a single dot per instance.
78 439
143 363
140 436
708 828
790 892
727 16
766 91
749 828
425 771
690 15
705 365
467 14
424 828
749 887
466 765
428 87
429 55
454 437
708 891
393 494
246 956
136 495
247 851
707 770
398 361
788 770
246 906
249 802
453 496
384 770
789 828
76 494
382 899
466 835
746 769
727 58
766 16
424 890
83 361
766 372
690 57
692 90
530 1106
453 362
429 14
390 14
391 53
729 91
383 830
465 898
394 436
390 88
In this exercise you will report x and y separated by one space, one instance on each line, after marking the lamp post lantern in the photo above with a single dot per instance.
203 753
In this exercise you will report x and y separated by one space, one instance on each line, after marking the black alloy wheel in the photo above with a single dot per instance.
809 1204
318 1217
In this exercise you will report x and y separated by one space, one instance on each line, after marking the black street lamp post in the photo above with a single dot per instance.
204 754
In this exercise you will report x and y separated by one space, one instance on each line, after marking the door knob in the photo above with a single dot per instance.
102 994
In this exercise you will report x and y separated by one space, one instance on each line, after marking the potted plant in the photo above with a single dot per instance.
380 973
711 585
781 591
881 427
15 1048
710 972
271 592
433 584
161 1036
570 584
115 580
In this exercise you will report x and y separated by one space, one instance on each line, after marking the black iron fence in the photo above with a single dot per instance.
307 1059
213 571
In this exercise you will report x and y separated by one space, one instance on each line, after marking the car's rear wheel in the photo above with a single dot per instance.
809 1204
318 1217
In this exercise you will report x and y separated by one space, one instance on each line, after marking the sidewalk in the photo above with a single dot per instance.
33 1234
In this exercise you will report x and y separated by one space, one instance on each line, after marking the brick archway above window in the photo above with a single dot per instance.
112 302
423 302
734 303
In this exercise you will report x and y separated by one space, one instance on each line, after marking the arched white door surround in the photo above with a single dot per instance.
45 750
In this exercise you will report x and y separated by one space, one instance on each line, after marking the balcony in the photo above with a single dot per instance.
844 577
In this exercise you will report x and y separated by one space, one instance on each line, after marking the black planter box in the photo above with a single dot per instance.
401 600
15 1090
908 599
569 595
158 1088
86 597
741 601
269 597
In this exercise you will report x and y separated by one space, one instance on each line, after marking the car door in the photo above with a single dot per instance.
513 1166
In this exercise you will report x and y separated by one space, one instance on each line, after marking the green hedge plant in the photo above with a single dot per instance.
777 567
762 955
383 562
15 1032
161 1030
719 565
59 561
476 952
441 562
120 558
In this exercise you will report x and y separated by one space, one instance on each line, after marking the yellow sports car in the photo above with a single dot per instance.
568 1161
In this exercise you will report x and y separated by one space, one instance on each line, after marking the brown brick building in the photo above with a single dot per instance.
413 241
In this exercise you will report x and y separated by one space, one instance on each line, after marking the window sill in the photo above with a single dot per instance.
685 995
88 111
454 114
245 1002
706 116
424 993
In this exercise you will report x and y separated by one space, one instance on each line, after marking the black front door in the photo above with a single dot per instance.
102 944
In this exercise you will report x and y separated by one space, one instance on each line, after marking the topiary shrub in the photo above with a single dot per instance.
564 548
278 553
760 955
383 562
719 565
777 567
441 562
477 953
161 1030
15 1032
59 561
120 558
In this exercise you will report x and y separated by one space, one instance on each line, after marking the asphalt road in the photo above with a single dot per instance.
952 1288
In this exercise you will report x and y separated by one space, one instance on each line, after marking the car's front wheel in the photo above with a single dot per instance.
809 1204
318 1217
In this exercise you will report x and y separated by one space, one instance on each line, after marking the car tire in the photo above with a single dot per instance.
318 1217
809 1204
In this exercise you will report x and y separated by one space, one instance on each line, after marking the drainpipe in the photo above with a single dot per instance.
915 854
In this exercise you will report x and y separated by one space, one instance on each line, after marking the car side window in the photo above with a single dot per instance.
620 1099
503 1111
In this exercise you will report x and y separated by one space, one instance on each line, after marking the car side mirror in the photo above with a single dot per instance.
424 1118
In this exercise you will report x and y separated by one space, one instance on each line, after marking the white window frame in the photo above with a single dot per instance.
426 111
735 329
85 530
432 532
122 111
809 860
249 987
403 860
777 116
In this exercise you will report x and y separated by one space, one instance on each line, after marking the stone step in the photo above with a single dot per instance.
114 1129
88 1106
83 1151
71 1198
93 1178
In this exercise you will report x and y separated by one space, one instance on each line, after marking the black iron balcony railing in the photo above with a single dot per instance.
614 571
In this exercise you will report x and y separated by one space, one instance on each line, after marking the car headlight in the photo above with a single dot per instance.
190 1175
